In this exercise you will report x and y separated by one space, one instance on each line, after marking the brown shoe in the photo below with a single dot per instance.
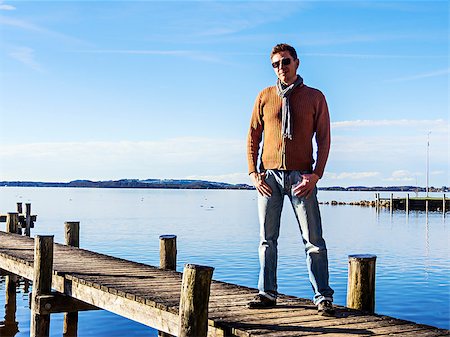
260 301
325 308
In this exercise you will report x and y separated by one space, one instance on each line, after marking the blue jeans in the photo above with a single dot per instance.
308 217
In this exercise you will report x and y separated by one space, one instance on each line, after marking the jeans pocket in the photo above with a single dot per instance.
295 178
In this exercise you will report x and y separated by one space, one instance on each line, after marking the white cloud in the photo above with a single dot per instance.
397 149
356 158
192 54
31 27
220 19
6 7
374 56
26 56
402 176
170 158
232 178
438 172
350 175
22 24
436 73
423 123
389 140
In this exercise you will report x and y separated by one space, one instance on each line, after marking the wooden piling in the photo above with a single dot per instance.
42 284
12 222
443 205
72 238
407 204
168 252
72 233
391 203
361 282
167 260
194 299
20 211
28 219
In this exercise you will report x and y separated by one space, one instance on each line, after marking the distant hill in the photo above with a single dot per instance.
385 188
133 183
197 184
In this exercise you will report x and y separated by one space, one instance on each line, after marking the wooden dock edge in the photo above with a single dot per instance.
149 313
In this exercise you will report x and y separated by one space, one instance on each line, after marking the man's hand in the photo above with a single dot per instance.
306 187
258 180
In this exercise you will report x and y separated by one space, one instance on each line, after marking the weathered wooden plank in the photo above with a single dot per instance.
20 268
150 316
369 327
259 324
404 328
281 317
55 303
305 329
22 217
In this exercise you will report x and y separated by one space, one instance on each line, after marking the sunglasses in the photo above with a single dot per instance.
284 62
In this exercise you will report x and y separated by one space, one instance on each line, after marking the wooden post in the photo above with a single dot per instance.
72 238
20 211
12 222
378 202
407 204
27 219
167 260
361 282
11 326
168 252
194 301
391 202
42 284
72 233
443 205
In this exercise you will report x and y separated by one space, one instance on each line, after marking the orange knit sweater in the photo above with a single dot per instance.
309 116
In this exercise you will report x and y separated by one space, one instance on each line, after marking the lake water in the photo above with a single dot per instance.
219 228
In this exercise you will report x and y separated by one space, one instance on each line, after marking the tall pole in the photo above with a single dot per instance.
428 160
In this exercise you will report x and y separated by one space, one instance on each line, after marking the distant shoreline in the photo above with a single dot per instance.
199 184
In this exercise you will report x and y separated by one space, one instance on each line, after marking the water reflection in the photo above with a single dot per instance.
12 285
10 326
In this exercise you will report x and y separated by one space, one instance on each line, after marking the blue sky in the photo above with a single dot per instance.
106 90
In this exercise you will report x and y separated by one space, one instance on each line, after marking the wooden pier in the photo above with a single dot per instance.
408 203
84 280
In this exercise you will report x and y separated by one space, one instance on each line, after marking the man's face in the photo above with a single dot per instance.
287 73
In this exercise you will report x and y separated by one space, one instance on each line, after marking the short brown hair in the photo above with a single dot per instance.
284 47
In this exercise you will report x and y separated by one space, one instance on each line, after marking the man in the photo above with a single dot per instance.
285 118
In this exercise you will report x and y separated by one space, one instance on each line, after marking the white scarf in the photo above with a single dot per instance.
285 92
